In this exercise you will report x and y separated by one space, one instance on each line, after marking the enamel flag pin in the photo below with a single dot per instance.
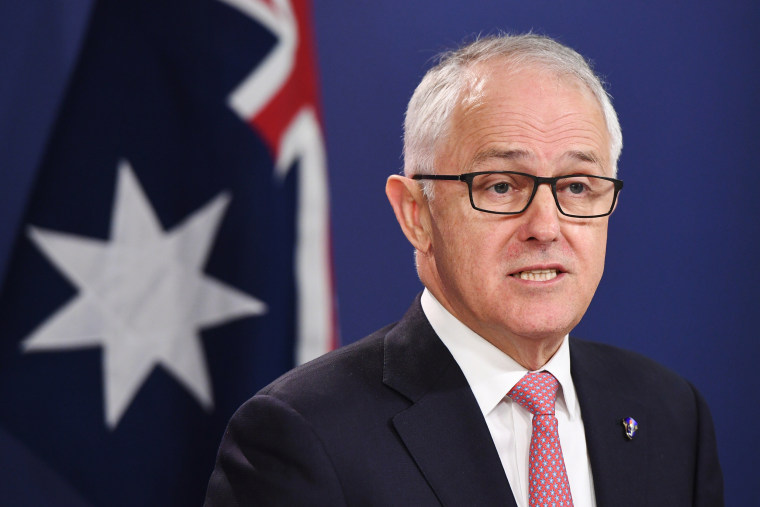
631 427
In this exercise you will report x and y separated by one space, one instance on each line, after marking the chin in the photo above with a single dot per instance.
544 334
546 328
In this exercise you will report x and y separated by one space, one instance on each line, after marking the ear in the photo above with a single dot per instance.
411 209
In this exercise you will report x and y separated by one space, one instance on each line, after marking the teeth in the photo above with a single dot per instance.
538 275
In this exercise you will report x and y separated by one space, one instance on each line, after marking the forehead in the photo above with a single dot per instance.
529 111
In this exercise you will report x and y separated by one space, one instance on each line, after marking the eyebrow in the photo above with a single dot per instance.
501 154
579 155
583 156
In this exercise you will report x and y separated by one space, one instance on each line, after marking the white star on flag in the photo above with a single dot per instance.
143 296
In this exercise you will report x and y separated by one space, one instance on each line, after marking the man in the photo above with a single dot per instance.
511 147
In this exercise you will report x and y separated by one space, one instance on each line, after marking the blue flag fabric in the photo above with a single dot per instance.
158 278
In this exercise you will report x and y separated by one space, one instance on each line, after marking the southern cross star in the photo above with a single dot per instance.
143 296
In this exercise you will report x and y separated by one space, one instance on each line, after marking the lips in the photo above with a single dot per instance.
538 275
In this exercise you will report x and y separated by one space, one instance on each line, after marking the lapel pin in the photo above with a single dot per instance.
631 427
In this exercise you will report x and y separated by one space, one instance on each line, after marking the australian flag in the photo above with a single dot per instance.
169 253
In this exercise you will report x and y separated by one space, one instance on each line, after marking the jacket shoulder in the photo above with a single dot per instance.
623 364
337 374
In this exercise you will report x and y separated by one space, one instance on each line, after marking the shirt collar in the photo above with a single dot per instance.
490 372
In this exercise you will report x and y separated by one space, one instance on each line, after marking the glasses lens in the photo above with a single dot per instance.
505 192
585 196
501 192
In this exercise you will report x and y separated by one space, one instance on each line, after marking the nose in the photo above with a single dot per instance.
541 219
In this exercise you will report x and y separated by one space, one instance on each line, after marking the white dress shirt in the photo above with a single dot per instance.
491 375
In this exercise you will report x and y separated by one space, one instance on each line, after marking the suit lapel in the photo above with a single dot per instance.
618 465
443 429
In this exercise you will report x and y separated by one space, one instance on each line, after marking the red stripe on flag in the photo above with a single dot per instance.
299 90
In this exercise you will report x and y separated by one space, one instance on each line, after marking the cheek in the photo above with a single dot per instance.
459 233
462 250
468 254
592 250
486 244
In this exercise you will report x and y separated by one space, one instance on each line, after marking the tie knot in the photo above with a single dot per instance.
536 392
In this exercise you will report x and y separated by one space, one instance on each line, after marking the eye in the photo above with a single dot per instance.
576 186
501 188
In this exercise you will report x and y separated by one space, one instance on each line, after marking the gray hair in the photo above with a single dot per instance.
429 112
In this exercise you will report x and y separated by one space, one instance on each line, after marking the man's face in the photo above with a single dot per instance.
490 270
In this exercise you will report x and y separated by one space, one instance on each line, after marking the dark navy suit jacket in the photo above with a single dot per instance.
391 420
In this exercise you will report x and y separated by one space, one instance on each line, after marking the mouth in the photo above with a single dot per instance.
537 275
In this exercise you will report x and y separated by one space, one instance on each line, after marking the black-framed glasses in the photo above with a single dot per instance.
510 193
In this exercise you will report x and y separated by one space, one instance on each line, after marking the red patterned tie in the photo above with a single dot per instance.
547 476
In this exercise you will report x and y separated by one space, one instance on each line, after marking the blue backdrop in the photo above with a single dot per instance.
680 284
